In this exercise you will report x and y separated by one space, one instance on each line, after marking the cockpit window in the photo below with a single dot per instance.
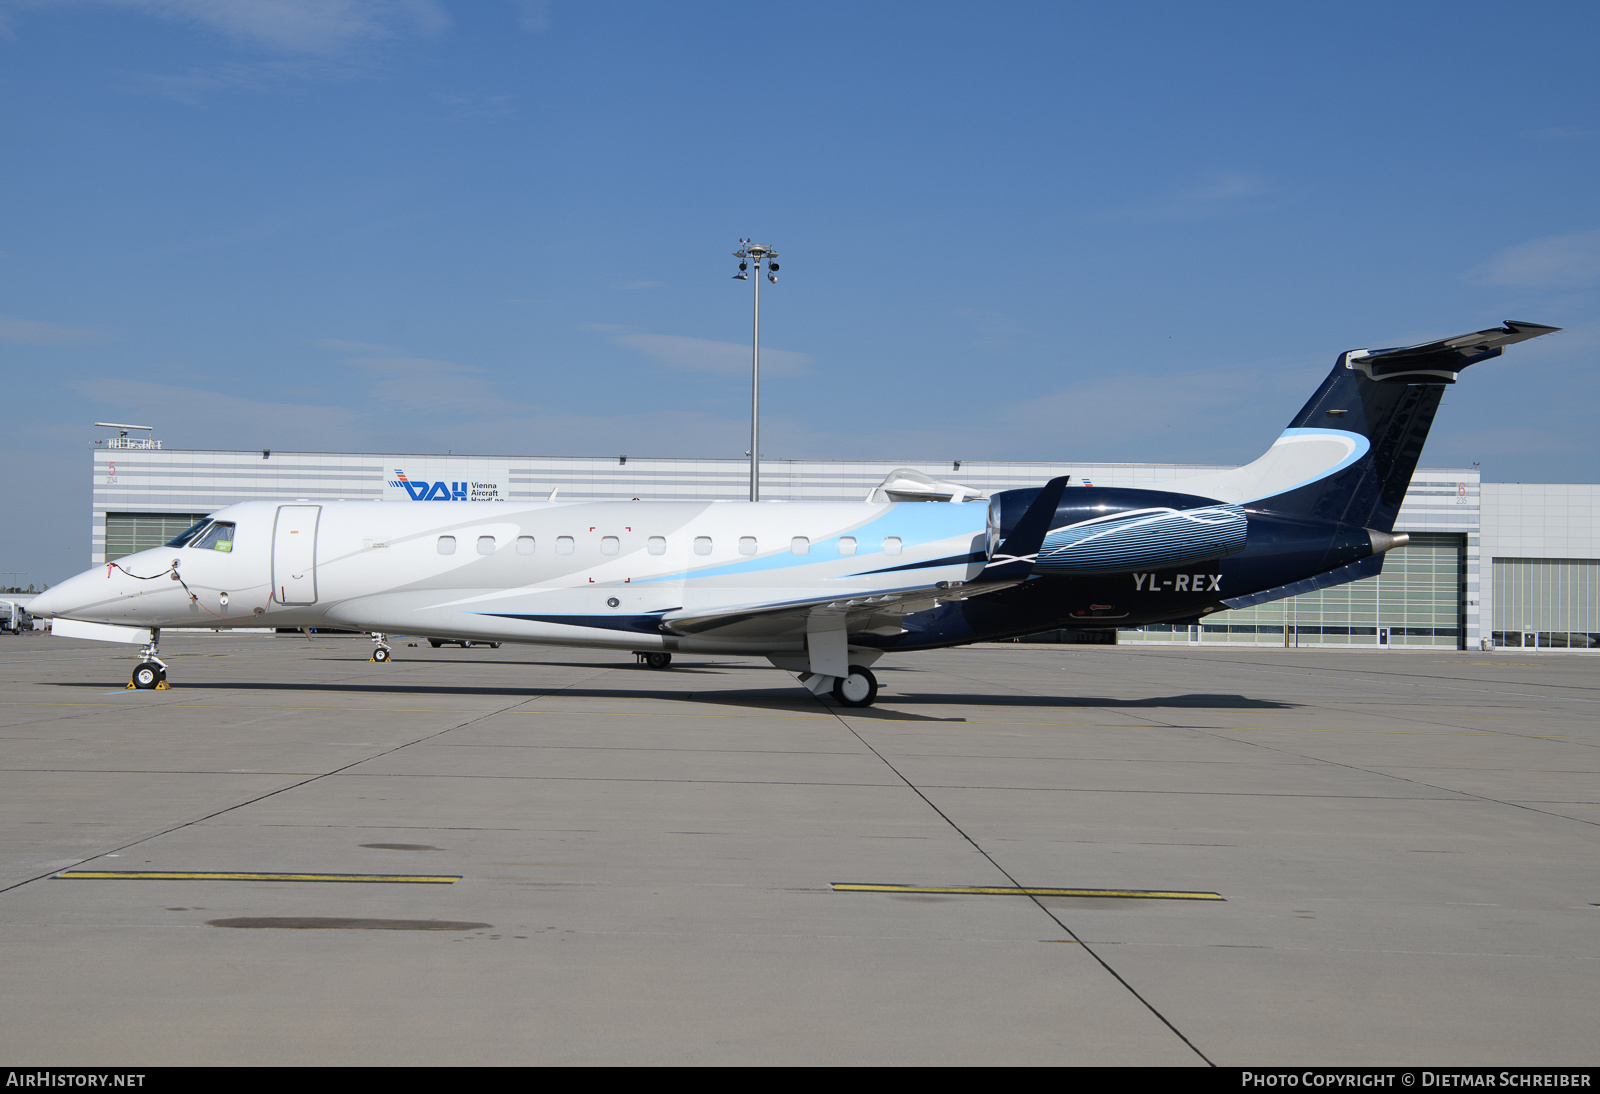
219 537
189 533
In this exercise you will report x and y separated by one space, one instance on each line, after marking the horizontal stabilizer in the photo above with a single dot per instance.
1438 362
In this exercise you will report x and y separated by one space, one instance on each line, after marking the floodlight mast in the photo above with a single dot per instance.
760 254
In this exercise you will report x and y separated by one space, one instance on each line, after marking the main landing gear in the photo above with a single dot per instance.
151 672
380 648
655 659
859 689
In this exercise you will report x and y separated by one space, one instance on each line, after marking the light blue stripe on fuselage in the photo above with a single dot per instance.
917 524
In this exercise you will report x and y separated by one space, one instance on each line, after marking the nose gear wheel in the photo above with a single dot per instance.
151 672
150 675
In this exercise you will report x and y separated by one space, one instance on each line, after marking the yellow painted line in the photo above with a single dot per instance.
1400 732
1008 890
202 705
190 875
701 716
236 706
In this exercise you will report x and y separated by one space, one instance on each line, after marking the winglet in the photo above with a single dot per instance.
1013 560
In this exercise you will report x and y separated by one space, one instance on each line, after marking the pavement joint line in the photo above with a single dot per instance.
1459 796
272 793
1408 681
119 656
1004 890
191 698
1453 730
1465 795
1134 720
219 875
1037 903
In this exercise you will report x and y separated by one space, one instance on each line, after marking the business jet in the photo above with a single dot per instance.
822 589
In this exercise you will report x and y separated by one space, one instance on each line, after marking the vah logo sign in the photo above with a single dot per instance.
416 483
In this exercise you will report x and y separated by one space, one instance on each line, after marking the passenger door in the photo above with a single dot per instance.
294 554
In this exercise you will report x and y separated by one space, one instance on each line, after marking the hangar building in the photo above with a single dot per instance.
1518 564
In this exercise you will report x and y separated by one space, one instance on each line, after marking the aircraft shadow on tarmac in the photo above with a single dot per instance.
787 698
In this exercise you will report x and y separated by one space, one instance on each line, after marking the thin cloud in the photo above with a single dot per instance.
996 332
704 355
1172 417
464 105
1221 193
1553 261
29 332
193 417
194 85
422 383
533 15
316 41
343 346
1561 133
319 27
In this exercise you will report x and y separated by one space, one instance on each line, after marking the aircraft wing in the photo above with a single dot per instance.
882 609
859 612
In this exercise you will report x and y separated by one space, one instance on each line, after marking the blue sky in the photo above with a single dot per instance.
1017 232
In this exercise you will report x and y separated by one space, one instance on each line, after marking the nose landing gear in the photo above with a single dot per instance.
381 652
151 672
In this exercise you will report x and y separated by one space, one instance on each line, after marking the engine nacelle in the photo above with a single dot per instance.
1101 530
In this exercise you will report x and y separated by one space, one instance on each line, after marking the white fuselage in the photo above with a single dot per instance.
567 573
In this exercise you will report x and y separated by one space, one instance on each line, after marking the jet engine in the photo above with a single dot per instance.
1102 530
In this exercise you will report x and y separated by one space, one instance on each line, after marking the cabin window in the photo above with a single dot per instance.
847 545
563 545
747 545
447 545
891 545
609 545
524 545
800 545
219 537
486 545
702 545
658 545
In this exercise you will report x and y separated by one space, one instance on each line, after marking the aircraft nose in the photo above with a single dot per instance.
75 592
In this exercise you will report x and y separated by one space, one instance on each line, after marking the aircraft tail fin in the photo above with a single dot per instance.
1349 454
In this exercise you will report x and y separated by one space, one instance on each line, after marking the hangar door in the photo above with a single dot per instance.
294 554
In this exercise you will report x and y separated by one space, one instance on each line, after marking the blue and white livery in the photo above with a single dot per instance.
822 589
